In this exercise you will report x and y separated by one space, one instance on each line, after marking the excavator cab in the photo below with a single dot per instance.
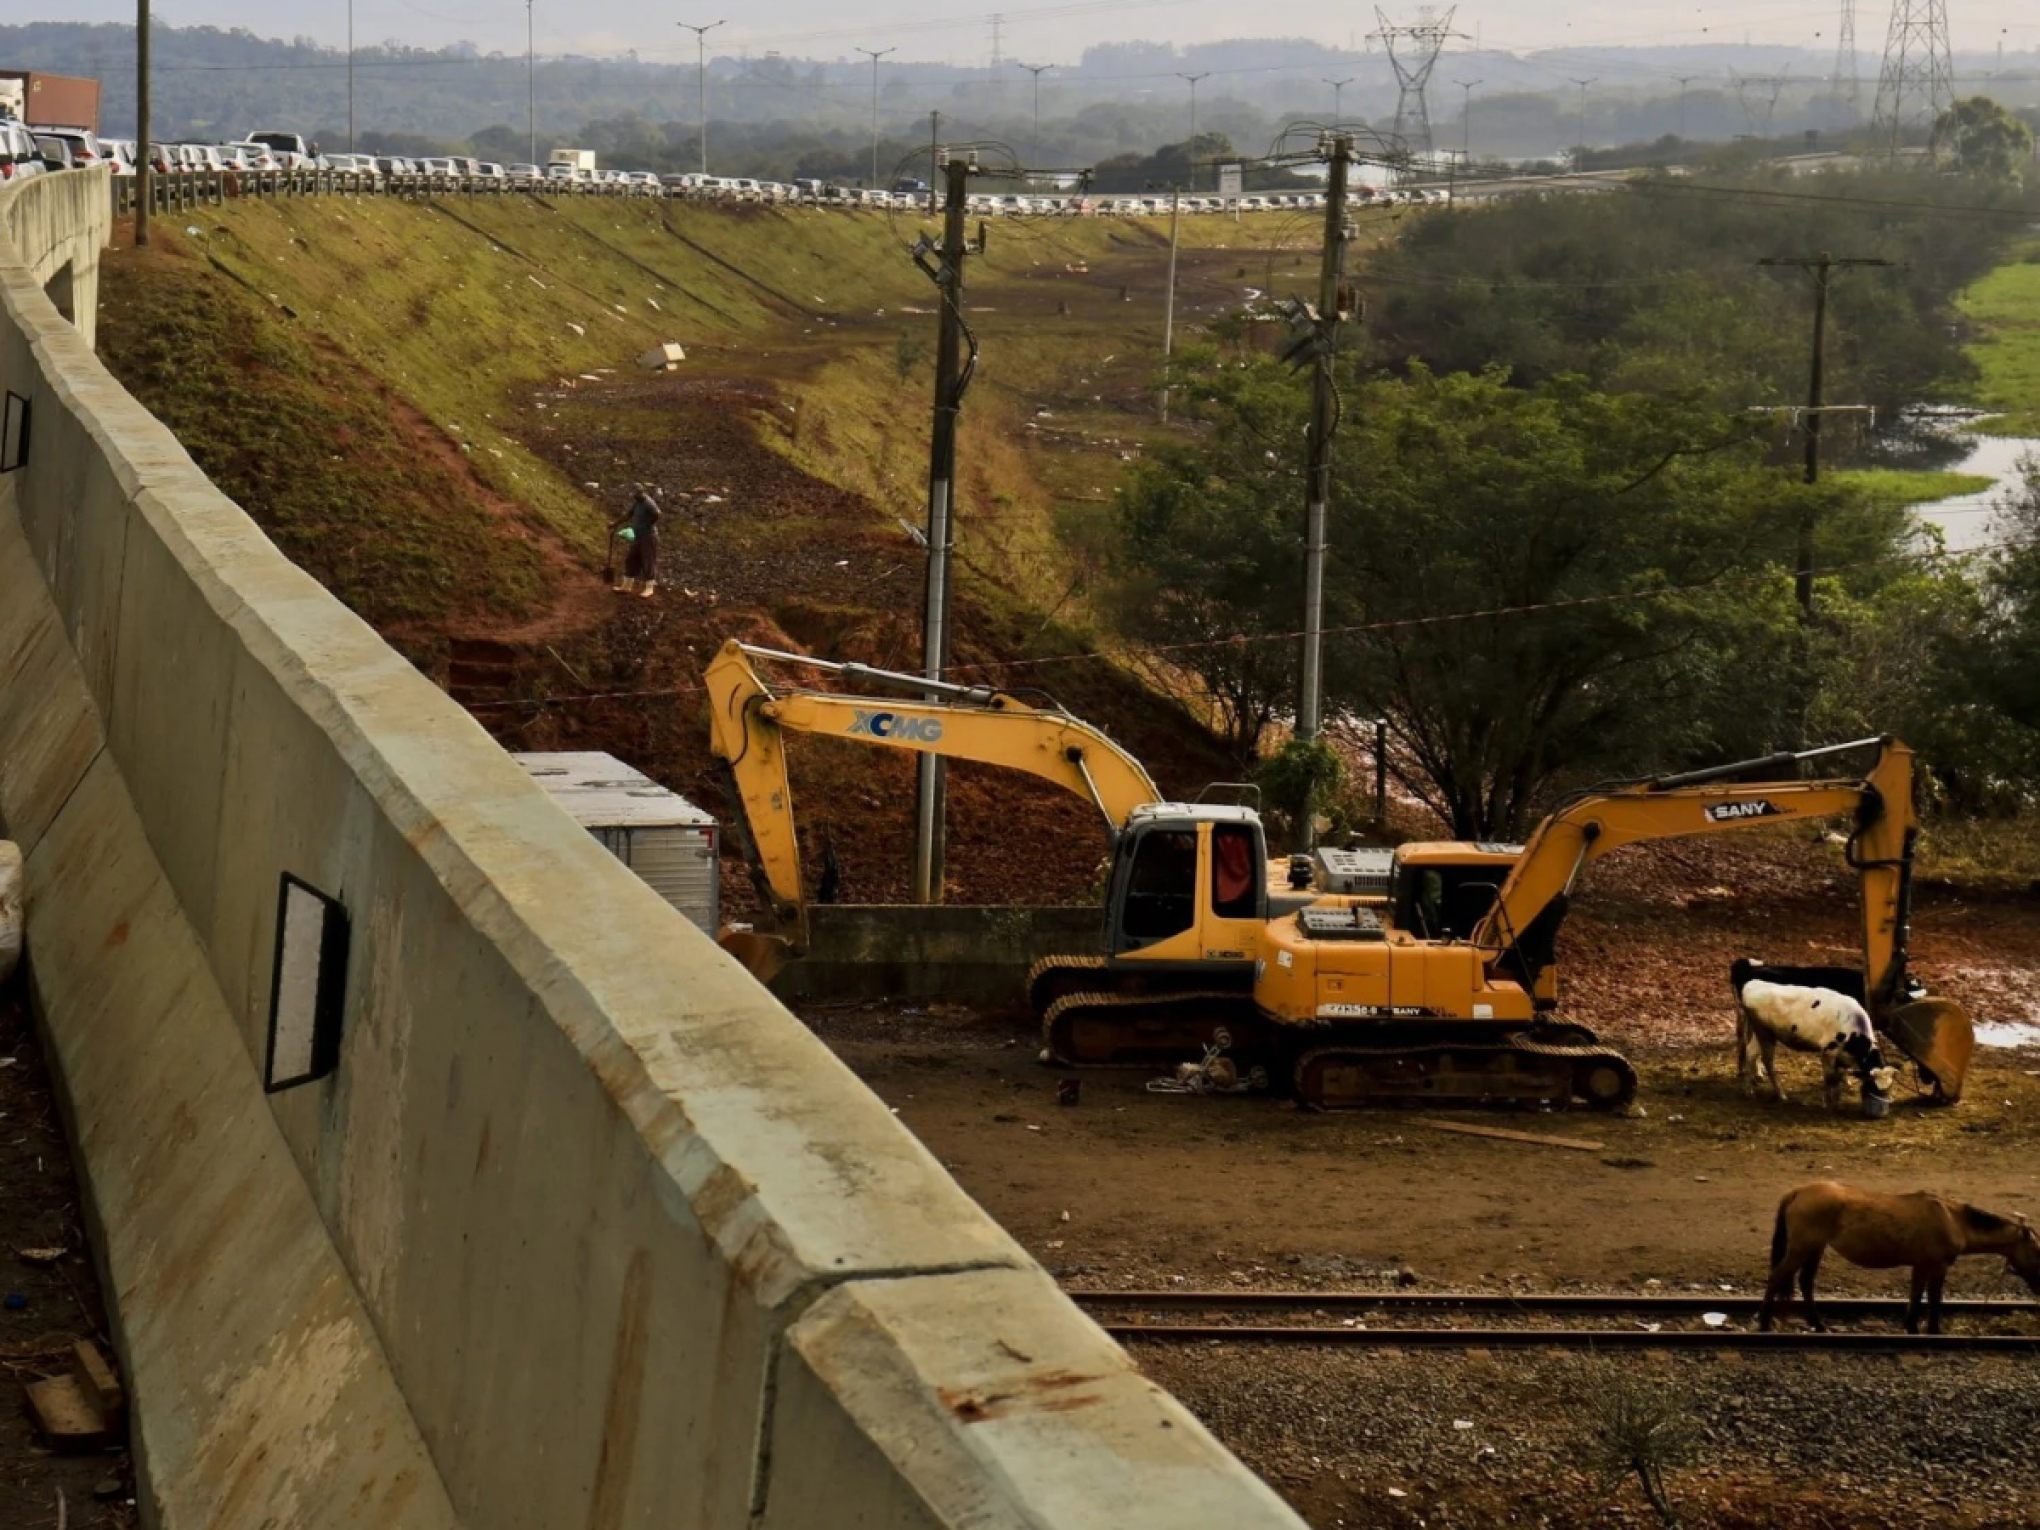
1442 890
1189 884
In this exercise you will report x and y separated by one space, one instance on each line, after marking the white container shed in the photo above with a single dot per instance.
659 834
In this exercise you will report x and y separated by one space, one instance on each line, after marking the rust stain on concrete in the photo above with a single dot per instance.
1044 1392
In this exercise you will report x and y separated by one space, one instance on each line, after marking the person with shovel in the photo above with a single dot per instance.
638 528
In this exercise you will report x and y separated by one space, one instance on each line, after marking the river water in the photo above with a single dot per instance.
1965 520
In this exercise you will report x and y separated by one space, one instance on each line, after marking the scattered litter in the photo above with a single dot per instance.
577 329
1397 1493
1032 1127
1216 1074
662 358
1462 1423
1065 1217
1714 1319
1676 1120
41 1255
1699 1179
1651 1327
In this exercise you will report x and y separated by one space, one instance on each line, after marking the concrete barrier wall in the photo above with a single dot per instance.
585 1230
959 952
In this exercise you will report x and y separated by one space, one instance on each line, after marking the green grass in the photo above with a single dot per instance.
2004 309
1902 486
327 461
429 340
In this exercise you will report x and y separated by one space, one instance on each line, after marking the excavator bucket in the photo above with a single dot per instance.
1936 1034
763 956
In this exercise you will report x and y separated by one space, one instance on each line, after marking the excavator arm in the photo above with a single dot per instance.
1520 930
748 721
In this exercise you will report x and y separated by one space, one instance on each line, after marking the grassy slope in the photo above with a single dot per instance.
2005 310
483 351
1904 486
460 309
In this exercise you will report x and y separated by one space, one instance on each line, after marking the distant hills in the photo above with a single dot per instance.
1120 97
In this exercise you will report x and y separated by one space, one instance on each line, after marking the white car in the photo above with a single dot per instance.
19 156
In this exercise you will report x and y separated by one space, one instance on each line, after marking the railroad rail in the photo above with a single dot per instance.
1118 1312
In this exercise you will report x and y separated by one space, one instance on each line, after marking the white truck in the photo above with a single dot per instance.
577 160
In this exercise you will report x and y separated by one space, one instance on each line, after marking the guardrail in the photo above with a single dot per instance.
183 190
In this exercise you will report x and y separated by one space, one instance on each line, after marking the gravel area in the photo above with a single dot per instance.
1382 1438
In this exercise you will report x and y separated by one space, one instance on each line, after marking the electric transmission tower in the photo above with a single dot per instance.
1420 46
1758 94
1846 88
1917 82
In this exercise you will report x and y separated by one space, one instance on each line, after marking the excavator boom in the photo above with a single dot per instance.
1520 929
747 719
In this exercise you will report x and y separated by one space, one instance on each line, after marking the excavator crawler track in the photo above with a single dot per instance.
1149 1029
1520 1070
1056 977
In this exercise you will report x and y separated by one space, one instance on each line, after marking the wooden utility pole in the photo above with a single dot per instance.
950 381
1823 266
145 173
1324 420
934 159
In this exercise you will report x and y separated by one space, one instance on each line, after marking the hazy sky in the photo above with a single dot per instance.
1041 32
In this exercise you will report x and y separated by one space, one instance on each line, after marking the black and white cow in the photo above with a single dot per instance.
1806 1018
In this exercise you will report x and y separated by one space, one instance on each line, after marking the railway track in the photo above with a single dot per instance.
1657 1322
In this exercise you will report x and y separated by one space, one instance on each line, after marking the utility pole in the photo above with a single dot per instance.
1034 144
875 54
1684 80
701 81
1190 158
1580 153
530 85
1324 419
950 381
350 76
145 172
934 160
1466 118
1338 89
1169 304
1823 267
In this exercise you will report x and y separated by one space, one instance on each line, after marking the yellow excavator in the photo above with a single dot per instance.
1430 978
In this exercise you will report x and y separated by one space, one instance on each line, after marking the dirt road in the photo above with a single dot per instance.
1131 1189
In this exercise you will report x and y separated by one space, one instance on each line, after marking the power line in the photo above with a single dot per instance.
1353 629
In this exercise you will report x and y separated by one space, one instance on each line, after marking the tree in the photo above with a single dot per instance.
1628 554
1534 584
1209 563
1988 689
1982 138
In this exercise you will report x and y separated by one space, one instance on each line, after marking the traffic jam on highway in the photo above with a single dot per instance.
50 122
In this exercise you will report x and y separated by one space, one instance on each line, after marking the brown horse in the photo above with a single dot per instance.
1880 1232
